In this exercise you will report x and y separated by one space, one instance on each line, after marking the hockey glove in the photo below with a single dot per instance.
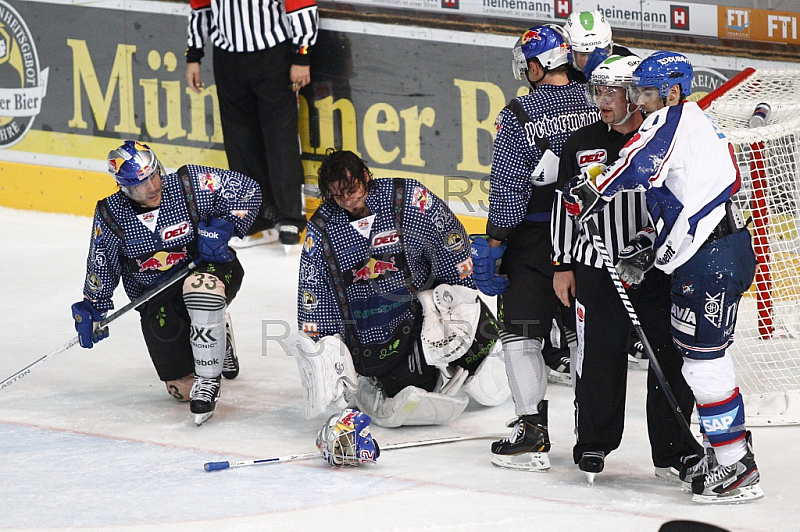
484 266
87 319
597 56
581 197
637 257
212 240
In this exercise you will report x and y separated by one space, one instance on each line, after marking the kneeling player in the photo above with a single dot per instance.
157 221
387 306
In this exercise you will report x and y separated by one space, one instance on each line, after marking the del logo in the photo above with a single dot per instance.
679 17
450 4
23 85
587 157
175 231
385 238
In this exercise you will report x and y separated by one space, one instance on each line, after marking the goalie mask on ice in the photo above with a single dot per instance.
345 439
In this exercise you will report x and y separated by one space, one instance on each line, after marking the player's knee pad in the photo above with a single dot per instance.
527 376
710 380
180 388
723 421
489 384
204 297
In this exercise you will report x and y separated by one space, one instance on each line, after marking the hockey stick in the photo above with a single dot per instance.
598 244
216 466
149 294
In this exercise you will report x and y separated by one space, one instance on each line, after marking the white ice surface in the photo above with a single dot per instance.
91 440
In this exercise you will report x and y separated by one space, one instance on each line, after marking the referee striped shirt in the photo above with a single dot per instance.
618 222
252 25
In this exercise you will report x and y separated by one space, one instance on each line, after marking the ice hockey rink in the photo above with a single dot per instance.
90 440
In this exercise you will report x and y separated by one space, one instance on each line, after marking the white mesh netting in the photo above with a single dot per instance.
766 348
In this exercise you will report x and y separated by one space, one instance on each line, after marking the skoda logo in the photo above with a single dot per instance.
22 84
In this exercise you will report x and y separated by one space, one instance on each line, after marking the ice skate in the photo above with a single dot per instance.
259 238
558 370
592 463
637 356
230 366
527 446
204 396
691 471
289 236
730 484
689 464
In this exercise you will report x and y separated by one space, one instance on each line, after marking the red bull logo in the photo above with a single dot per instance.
163 260
374 269
530 35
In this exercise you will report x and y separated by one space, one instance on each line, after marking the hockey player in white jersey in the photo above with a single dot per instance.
155 222
689 171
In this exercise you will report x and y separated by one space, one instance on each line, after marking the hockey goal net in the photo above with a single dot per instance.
766 349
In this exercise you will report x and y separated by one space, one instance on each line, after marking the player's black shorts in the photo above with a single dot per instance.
165 321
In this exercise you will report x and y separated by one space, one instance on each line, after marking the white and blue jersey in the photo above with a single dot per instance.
139 247
530 131
689 171
372 266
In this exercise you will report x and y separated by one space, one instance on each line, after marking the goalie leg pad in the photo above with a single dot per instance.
450 319
411 406
489 384
327 373
204 297
527 374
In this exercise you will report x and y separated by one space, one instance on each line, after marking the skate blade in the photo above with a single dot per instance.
199 419
590 478
523 461
639 363
739 495
669 474
556 377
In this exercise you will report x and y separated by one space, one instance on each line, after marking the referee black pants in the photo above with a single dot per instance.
258 110
601 373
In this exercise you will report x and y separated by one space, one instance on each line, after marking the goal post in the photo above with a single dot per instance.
766 347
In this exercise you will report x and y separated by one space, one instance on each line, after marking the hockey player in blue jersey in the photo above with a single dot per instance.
689 171
155 222
387 309
530 132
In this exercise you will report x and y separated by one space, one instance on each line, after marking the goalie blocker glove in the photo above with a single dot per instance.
484 266
637 257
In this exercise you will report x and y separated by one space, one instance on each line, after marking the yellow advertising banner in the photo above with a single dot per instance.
758 25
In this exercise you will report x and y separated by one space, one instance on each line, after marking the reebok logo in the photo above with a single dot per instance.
208 234
212 362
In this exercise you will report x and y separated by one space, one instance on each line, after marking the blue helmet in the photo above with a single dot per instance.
133 163
662 70
345 439
543 43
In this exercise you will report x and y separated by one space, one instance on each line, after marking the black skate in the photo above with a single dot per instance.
730 484
230 366
637 355
527 446
559 369
689 465
699 468
592 463
204 396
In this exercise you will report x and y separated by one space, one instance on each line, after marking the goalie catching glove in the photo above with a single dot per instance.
326 373
637 257
450 317
345 439
581 197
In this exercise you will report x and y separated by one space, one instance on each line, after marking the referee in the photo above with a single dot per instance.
602 323
261 60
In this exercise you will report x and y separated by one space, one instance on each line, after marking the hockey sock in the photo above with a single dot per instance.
527 375
207 331
723 423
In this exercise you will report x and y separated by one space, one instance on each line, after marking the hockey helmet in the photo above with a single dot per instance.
662 70
616 71
345 439
588 30
543 43
133 163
